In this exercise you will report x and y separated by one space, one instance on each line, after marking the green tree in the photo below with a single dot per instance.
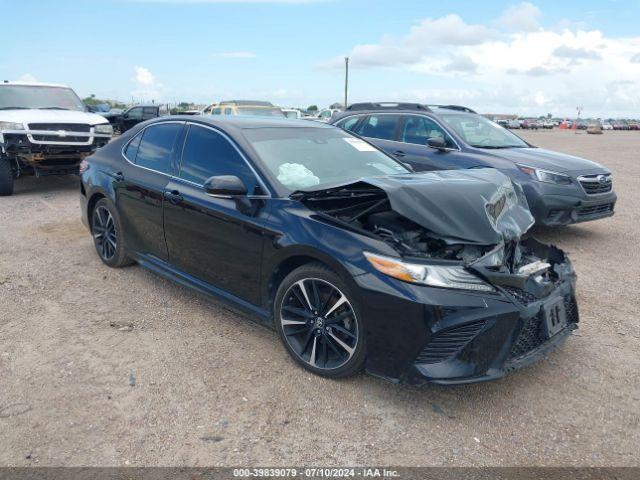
312 108
92 100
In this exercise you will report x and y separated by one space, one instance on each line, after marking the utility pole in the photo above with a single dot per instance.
346 80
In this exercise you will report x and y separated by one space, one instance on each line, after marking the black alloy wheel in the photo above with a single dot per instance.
104 233
319 324
107 235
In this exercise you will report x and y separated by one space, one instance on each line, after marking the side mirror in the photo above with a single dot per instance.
225 186
437 142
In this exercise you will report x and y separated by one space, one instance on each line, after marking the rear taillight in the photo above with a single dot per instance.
84 166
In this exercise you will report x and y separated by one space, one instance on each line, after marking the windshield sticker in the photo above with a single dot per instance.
360 145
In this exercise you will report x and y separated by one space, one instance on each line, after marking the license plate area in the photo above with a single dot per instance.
555 317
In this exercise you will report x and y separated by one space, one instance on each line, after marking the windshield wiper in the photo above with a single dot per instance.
14 108
53 108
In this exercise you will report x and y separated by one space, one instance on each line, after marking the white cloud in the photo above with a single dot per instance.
144 77
565 51
240 54
418 44
461 63
524 17
27 77
448 30
147 86
526 68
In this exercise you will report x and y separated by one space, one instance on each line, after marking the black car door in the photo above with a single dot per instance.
217 240
140 186
131 117
414 132
149 112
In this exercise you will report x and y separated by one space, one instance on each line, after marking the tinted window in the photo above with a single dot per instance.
207 153
156 146
135 113
349 123
132 149
228 111
418 129
149 110
216 111
379 126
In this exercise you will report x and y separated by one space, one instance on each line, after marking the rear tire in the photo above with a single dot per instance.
6 178
108 235
318 321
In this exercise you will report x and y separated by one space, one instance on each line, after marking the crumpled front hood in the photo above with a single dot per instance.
479 206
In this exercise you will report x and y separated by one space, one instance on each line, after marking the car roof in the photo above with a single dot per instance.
247 103
34 84
405 109
241 122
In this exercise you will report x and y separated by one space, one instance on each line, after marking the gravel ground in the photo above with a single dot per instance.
120 367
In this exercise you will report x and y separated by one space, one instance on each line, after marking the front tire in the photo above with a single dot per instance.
318 321
107 232
6 178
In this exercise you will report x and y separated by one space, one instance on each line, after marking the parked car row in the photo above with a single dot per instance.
389 238
526 123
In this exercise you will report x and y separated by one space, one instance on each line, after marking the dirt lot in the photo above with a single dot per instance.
191 383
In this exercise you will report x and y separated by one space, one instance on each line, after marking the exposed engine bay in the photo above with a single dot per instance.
474 217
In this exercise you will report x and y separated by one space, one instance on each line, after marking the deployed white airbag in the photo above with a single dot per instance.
296 176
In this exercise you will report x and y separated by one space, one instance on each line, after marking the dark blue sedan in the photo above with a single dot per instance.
560 189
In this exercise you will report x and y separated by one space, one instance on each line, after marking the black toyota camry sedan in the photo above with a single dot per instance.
357 262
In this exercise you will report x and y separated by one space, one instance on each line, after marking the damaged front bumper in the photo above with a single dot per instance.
421 334
59 156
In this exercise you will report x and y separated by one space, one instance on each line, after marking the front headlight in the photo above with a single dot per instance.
433 275
545 175
11 126
103 128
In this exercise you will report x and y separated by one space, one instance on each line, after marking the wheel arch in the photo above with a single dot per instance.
294 258
91 203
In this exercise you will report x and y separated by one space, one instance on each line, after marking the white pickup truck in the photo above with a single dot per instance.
45 130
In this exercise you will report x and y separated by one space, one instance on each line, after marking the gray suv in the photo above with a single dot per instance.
560 189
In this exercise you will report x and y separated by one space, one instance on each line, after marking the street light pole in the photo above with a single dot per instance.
346 80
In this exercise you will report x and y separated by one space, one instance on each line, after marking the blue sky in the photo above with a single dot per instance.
500 56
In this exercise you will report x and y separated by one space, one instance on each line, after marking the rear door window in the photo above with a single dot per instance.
157 145
379 126
132 149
